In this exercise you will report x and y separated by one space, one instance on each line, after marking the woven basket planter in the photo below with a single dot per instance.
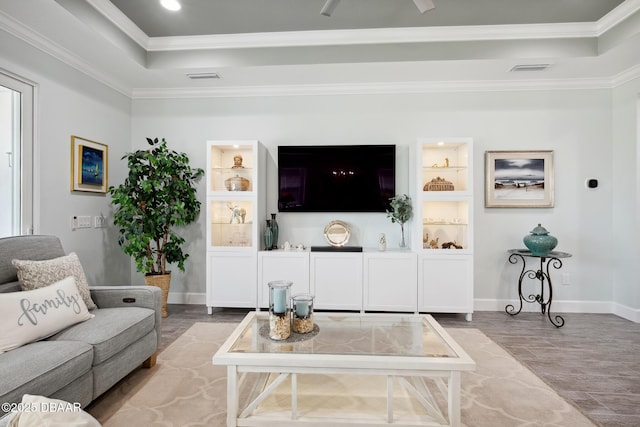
162 281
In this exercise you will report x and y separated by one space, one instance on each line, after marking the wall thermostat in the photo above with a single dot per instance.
592 183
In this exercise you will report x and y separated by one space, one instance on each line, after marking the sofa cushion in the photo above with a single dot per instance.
110 330
33 247
42 367
36 274
33 315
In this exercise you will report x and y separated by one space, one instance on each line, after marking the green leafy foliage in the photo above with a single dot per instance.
401 210
157 196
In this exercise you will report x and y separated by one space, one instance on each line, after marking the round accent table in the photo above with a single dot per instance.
552 259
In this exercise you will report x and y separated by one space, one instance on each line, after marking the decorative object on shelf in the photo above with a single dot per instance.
237 183
382 242
286 246
237 162
438 184
400 212
518 179
302 313
433 243
539 241
449 245
444 165
268 236
275 229
279 310
158 195
425 241
337 233
89 165
237 213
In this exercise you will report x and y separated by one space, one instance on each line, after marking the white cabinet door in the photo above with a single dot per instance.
231 279
390 281
446 284
336 280
282 265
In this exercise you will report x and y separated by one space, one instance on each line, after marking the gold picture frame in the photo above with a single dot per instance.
89 165
519 179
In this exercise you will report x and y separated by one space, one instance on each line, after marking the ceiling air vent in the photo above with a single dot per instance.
530 67
202 76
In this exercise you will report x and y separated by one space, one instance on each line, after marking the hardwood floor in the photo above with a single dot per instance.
591 361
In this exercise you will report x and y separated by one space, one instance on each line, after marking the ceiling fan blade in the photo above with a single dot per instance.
424 5
328 7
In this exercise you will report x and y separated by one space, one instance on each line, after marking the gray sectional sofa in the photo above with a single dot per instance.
83 361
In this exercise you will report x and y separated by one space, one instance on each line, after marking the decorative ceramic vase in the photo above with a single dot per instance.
540 242
268 236
382 242
274 231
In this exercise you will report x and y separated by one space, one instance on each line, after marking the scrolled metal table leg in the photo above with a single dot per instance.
510 308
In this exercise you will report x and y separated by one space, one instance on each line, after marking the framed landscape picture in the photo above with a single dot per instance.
519 179
89 165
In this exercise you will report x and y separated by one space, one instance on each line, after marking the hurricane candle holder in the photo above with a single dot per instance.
279 310
302 313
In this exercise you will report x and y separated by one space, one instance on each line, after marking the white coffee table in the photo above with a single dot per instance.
411 350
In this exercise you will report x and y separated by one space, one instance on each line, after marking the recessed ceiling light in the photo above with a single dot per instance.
172 5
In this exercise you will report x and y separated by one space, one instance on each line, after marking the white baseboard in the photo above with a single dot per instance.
557 306
625 312
602 307
187 298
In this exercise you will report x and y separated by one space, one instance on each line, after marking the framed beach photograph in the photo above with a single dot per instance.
89 165
519 179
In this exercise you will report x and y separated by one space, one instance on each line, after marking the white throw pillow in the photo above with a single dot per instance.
28 316
40 411
36 274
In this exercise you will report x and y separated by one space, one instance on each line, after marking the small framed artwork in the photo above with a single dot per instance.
89 165
518 179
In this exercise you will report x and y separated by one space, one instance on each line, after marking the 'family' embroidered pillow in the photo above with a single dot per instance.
28 316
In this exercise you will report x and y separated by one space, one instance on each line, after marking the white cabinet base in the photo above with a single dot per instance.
390 281
336 280
444 284
231 280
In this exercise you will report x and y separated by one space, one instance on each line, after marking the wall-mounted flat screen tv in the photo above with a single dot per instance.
336 178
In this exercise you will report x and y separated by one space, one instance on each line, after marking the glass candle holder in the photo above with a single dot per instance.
302 313
279 310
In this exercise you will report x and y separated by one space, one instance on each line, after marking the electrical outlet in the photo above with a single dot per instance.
99 221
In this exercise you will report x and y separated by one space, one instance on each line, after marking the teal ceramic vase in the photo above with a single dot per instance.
268 236
540 242
274 230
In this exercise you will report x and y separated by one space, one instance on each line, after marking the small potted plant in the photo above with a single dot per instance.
157 196
401 212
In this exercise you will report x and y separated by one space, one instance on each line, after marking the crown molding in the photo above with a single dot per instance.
375 88
373 36
121 21
617 15
626 76
20 31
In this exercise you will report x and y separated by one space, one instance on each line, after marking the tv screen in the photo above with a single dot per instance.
336 178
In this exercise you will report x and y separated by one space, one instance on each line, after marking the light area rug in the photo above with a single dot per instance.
185 389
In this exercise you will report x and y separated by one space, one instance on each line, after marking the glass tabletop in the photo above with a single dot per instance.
350 334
